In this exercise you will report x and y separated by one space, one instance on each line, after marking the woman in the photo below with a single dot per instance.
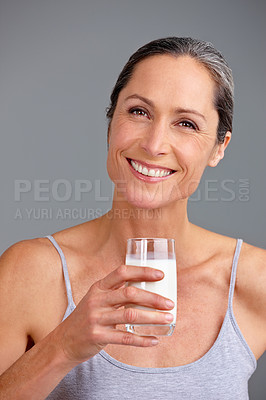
170 117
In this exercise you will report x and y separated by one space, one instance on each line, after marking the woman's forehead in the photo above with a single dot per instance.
166 77
163 68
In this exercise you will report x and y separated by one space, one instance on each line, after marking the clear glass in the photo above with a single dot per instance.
157 253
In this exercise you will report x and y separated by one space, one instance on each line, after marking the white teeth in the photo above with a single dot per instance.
148 172
151 172
144 171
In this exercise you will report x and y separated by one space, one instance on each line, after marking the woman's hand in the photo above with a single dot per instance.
92 325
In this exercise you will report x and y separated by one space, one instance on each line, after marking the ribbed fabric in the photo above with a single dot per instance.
221 374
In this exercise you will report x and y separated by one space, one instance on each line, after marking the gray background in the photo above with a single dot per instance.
59 60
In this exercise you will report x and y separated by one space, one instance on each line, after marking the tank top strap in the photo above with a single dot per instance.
65 271
233 272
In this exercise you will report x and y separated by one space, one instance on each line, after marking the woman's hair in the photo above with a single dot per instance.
203 52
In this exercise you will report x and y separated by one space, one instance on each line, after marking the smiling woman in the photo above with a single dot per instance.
165 122
62 335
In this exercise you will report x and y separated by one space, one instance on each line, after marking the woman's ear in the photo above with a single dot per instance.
218 151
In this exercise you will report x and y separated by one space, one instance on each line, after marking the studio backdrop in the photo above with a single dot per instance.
59 60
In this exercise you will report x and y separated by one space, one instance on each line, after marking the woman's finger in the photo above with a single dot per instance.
132 295
129 273
135 316
113 336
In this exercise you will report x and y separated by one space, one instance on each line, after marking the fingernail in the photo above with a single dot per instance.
169 317
158 274
170 303
154 342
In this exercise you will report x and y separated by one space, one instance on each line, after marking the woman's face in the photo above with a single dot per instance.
163 131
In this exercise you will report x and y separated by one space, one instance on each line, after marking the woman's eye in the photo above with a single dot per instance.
187 124
138 112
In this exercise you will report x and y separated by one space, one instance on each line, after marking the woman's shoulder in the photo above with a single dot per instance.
31 282
251 279
35 263
250 294
29 254
251 270
37 260
29 269
250 289
252 266
24 255
221 244
251 252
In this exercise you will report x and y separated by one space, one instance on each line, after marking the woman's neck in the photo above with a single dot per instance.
124 221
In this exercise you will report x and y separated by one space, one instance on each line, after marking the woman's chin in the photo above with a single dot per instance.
145 202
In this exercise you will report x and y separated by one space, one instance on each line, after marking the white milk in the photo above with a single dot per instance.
166 287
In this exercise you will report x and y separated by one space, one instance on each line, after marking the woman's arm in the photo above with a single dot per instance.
25 278
32 374
36 373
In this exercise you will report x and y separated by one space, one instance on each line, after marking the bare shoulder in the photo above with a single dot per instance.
35 259
31 280
24 249
251 294
251 279
31 277
22 261
249 302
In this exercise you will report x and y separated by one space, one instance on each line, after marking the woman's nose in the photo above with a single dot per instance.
155 140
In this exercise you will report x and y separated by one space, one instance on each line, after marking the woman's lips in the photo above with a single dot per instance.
151 166
151 173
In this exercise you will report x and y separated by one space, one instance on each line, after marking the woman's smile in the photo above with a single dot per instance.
149 172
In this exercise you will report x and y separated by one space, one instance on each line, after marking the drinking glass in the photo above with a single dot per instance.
158 253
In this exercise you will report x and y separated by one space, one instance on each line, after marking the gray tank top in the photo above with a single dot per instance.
221 374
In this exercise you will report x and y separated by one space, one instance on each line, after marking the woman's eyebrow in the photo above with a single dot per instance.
178 110
181 110
137 96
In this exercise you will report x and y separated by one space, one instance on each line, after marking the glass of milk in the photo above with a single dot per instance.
157 253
